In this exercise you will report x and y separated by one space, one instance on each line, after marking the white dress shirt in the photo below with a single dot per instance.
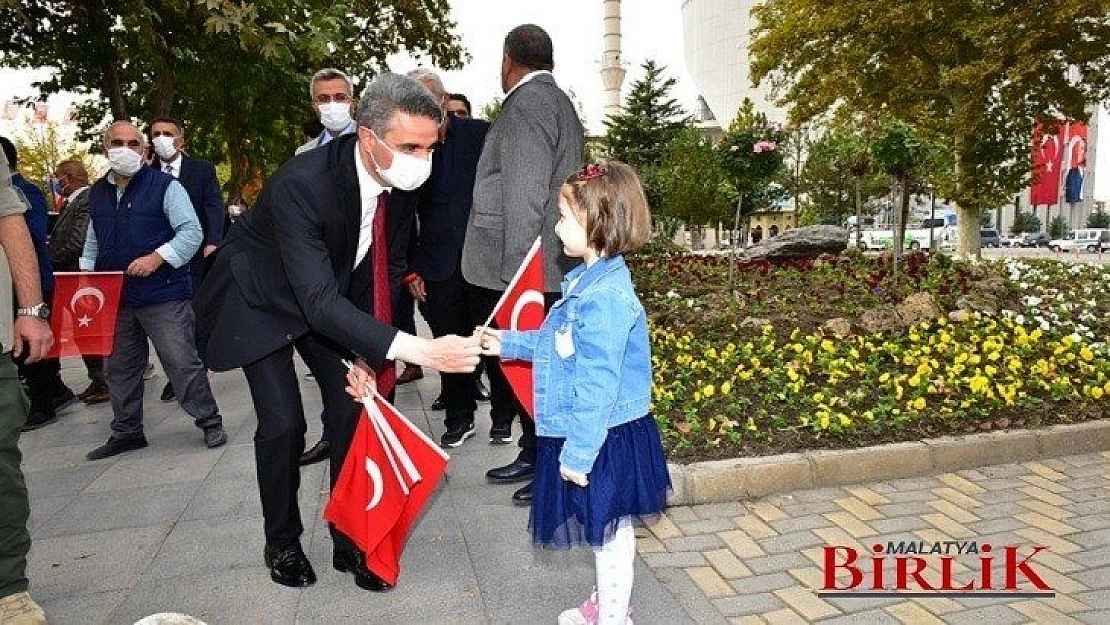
173 167
368 190
526 78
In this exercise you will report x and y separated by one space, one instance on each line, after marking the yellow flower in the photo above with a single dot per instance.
919 403
709 390
1086 354
827 345
818 397
1096 392
884 377
726 388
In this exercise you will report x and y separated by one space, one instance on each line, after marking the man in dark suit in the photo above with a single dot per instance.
309 269
434 279
200 182
533 145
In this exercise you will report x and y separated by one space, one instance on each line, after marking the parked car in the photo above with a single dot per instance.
1035 239
1087 240
1013 240
988 237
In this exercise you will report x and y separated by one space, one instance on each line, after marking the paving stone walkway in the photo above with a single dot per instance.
760 562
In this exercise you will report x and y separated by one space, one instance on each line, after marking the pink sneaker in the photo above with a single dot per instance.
587 613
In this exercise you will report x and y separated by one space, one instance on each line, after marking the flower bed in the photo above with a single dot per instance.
757 373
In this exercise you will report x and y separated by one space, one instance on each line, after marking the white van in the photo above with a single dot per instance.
1085 240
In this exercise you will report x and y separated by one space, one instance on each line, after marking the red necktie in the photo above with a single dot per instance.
383 299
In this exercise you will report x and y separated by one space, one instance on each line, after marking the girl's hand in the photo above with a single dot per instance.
489 340
360 381
573 476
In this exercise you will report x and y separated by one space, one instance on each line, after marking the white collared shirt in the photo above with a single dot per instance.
368 190
75 193
174 165
527 77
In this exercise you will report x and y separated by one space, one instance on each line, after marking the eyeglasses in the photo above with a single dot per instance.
119 143
325 98
163 133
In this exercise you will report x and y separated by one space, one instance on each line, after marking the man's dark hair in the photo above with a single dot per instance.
530 46
462 98
312 128
9 153
166 119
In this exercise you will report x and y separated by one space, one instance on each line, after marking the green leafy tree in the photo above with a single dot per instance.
236 72
1098 219
1058 227
492 109
751 159
1026 221
649 119
839 174
692 182
41 147
975 72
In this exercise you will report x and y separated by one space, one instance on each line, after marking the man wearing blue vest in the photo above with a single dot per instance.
142 223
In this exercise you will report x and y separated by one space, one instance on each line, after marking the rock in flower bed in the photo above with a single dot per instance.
762 370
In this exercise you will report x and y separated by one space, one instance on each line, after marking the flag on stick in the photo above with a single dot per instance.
83 313
521 308
391 470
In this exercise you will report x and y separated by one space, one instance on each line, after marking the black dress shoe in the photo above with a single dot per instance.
214 436
117 445
37 419
523 496
320 451
516 471
64 399
289 566
353 562
438 403
481 392
167 393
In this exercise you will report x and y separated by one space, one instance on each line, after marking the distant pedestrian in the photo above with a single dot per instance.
599 459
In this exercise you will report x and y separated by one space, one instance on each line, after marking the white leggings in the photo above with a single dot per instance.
614 562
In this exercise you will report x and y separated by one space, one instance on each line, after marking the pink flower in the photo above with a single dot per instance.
764 146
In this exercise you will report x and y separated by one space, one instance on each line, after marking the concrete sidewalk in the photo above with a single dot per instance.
176 527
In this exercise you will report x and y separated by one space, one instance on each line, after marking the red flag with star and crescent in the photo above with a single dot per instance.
521 308
391 470
83 314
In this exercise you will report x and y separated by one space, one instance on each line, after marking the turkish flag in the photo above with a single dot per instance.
521 308
83 314
390 471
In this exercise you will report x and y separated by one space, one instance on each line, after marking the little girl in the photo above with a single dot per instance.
599 460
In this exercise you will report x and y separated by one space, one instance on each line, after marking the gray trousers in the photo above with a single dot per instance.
170 326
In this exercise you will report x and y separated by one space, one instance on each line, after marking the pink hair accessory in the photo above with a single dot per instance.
592 171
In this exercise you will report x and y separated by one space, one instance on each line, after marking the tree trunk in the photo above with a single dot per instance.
237 157
732 248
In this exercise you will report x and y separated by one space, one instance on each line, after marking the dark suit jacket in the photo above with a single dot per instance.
445 200
67 239
200 182
286 266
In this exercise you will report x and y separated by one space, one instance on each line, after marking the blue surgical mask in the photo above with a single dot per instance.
56 186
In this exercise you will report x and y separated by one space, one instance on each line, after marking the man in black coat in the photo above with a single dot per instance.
434 278
200 182
300 272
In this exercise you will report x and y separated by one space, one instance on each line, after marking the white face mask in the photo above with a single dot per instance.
407 171
164 147
335 116
125 161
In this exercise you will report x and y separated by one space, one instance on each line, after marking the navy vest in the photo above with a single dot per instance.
135 226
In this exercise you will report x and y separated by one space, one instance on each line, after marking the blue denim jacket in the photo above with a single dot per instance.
591 360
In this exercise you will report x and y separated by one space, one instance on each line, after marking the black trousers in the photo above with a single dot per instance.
447 310
279 439
504 406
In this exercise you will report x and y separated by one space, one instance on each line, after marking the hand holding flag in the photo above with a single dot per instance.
391 470
83 317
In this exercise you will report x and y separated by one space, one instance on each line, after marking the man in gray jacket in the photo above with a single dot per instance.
533 145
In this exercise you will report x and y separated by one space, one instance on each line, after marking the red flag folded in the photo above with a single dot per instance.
521 308
391 470
83 314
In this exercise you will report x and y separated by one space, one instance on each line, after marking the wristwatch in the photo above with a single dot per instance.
39 311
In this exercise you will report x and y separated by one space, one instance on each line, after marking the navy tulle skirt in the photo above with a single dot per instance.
629 478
